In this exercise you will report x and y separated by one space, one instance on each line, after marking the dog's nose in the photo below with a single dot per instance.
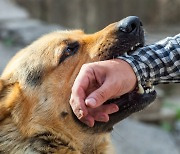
130 24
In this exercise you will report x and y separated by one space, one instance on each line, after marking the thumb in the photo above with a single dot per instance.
99 96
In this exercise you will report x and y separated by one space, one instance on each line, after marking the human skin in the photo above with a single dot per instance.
95 84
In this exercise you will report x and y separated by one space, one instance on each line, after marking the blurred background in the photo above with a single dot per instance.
156 130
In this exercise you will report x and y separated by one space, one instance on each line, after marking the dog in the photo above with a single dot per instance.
35 88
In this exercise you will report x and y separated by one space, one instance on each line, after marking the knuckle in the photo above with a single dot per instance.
74 89
85 66
72 102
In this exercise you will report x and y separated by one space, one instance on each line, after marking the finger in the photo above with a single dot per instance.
88 120
101 117
99 96
108 108
77 103
79 108
83 78
102 113
78 94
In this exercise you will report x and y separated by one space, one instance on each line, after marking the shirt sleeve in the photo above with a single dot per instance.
156 63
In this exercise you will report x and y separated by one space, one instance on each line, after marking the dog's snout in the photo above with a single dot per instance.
129 24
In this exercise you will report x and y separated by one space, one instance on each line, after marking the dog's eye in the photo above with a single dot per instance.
70 50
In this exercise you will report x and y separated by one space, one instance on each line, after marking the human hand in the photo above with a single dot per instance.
96 83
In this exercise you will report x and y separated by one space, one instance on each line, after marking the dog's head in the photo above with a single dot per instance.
36 85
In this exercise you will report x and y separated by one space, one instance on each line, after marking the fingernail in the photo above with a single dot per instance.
90 102
80 114
115 109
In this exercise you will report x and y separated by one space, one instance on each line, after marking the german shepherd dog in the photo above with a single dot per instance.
35 88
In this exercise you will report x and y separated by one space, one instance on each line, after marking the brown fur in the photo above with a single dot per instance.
34 96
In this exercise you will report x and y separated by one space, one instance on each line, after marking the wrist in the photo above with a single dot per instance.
126 75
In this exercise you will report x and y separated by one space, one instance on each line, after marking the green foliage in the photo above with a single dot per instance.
166 126
178 113
8 42
174 107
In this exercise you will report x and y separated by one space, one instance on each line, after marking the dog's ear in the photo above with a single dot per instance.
9 93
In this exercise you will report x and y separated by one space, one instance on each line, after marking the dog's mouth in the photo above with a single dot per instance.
127 39
133 101
142 96
128 104
119 49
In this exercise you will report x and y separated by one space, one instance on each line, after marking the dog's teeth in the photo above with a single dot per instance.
147 91
125 54
137 44
153 88
149 84
132 48
141 89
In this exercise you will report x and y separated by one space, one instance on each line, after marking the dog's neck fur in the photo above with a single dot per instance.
20 133
12 142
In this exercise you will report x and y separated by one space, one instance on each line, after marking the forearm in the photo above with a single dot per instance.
157 63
